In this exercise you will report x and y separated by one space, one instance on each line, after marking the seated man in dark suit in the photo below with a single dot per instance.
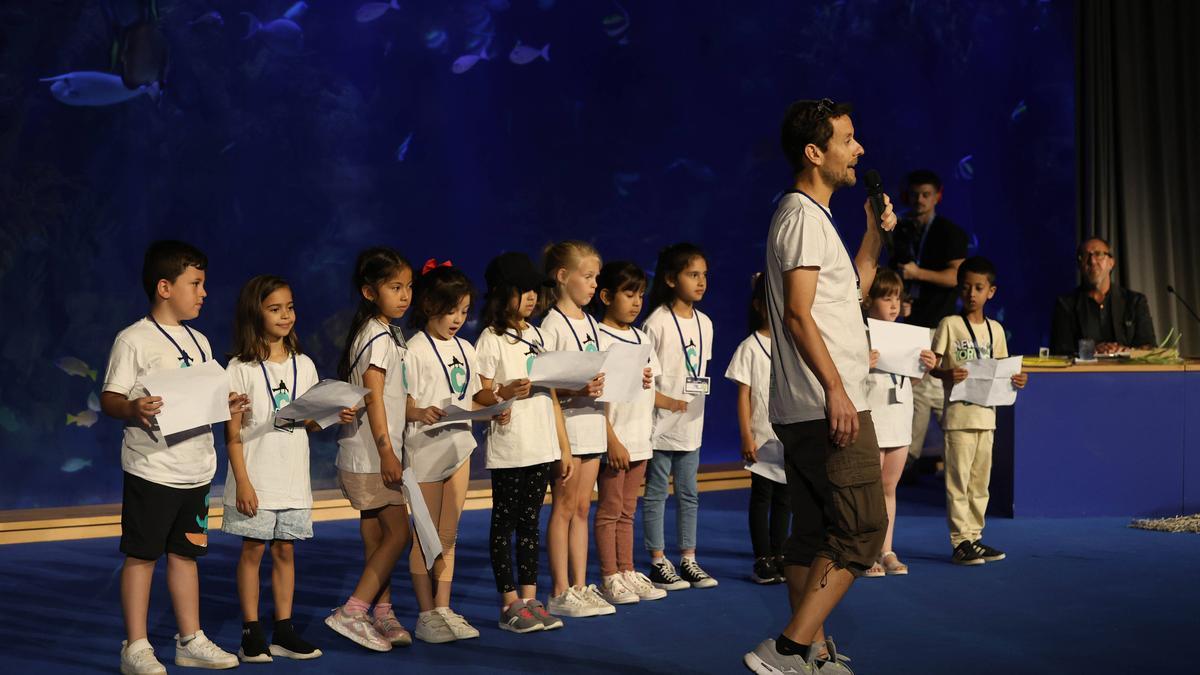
1116 318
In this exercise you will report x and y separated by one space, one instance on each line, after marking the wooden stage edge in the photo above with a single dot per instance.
91 522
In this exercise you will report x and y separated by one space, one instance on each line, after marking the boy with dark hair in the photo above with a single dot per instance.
969 427
164 508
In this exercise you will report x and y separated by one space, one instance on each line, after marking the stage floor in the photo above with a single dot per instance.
1075 596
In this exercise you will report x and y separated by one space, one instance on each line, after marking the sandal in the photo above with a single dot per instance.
874 571
894 567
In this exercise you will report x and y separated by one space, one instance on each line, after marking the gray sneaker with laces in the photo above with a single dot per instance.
832 663
766 660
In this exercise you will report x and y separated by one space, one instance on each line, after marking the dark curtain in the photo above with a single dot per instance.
1139 141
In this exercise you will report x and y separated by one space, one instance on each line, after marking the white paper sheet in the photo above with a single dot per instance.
989 382
323 403
427 534
770 462
899 346
623 369
457 414
192 397
569 371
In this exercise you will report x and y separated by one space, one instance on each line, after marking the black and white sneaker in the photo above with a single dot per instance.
254 644
662 575
966 554
690 570
765 571
987 552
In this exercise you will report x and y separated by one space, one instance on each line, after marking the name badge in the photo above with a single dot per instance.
697 385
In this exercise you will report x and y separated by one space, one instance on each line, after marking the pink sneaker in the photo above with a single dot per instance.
357 627
389 627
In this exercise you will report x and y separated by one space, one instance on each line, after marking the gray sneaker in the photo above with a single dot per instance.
765 660
832 663
518 619
549 621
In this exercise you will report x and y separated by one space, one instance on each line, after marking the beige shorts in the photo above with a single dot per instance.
367 492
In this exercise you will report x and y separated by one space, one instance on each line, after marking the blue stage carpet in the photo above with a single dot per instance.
1074 596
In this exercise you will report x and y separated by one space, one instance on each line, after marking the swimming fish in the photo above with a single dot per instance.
402 151
89 88
296 11
213 18
622 182
467 61
698 170
370 11
75 464
522 54
93 402
73 366
1019 110
966 170
83 418
143 54
436 38
616 24
281 35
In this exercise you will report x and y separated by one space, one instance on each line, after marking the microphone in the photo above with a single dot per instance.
1171 290
875 194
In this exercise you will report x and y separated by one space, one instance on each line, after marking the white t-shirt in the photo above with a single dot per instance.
633 421
803 235
531 436
184 460
891 400
380 345
583 415
440 373
276 459
664 332
751 366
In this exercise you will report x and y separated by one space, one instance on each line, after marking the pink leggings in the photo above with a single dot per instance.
614 516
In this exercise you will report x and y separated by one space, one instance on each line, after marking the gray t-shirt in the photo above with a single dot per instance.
803 235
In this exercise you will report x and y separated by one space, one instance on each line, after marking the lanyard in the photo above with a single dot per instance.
921 246
760 344
537 347
857 280
271 392
183 356
591 323
466 364
699 329
390 332
614 336
991 344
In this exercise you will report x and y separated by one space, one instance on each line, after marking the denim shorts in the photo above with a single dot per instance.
268 525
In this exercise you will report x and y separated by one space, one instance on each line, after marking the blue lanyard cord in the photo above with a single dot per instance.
857 280
614 336
389 333
539 347
991 338
183 356
700 330
271 392
591 323
921 246
760 344
446 371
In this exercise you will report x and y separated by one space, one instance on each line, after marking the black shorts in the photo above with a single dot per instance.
158 518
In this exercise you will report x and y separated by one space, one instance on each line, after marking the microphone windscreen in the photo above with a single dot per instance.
873 181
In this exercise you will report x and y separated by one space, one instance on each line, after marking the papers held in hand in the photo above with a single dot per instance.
770 462
457 414
989 382
427 532
192 397
899 346
323 403
623 369
569 371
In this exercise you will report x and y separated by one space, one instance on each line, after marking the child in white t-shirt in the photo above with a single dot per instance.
683 341
572 266
524 453
621 286
770 510
370 448
890 398
268 491
442 371
164 507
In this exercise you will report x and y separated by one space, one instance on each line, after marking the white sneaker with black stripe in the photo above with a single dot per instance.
663 575
691 572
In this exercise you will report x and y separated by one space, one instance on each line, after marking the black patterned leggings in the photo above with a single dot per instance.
517 496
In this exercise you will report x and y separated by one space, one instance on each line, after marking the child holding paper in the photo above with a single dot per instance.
268 492
164 506
443 370
629 425
969 427
890 398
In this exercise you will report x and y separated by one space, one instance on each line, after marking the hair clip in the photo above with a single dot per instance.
433 264
824 107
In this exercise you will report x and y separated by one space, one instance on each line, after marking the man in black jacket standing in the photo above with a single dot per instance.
1116 318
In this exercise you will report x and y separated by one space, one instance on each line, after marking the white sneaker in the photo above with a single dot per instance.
138 659
615 591
591 595
200 652
458 624
432 628
571 603
639 583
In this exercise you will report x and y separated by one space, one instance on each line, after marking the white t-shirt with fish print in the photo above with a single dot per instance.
380 345
633 421
680 359
184 460
583 414
276 457
531 436
440 377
